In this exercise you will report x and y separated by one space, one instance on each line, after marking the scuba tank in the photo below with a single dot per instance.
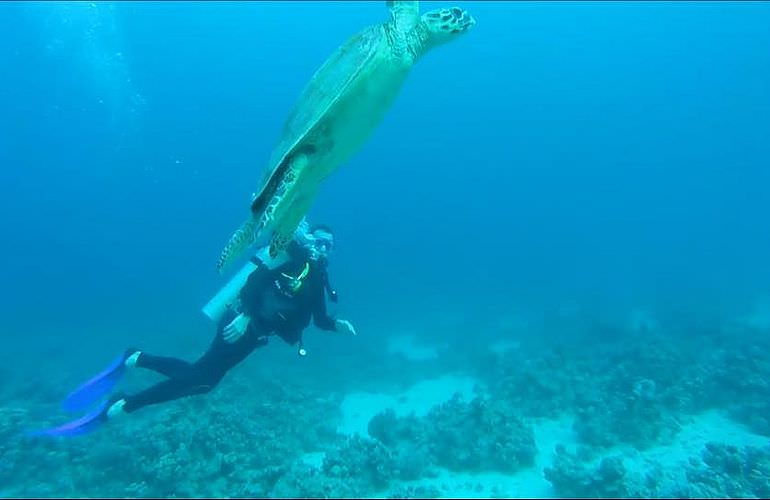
227 296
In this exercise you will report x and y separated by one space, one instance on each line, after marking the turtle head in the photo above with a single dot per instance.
444 25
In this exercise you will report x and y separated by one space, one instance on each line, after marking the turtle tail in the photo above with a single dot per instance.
241 239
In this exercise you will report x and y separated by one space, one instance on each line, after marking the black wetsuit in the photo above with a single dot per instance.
273 308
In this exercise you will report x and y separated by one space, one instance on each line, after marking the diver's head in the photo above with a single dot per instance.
317 241
323 243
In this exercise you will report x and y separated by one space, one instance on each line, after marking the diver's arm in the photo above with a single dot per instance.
325 322
250 298
321 318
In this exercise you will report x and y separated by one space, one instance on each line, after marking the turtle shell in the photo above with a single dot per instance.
332 80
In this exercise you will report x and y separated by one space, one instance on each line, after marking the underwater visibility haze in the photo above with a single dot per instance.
553 250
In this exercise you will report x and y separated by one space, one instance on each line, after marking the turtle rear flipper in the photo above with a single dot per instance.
263 210
241 239
278 243
287 225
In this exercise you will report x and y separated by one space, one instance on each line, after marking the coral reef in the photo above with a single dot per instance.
573 478
482 435
305 481
728 471
409 491
366 460
485 434
213 446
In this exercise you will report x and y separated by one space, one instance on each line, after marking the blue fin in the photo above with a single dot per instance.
95 388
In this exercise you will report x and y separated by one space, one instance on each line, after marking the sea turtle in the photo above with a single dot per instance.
341 105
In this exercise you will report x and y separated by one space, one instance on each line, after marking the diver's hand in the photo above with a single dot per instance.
344 326
235 329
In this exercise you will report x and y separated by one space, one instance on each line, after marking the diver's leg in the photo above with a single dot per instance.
165 365
198 378
185 380
169 390
201 376
168 366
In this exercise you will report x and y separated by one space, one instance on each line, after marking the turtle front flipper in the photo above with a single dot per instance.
406 13
242 238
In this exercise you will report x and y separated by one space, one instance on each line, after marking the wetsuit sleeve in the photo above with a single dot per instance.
321 318
251 293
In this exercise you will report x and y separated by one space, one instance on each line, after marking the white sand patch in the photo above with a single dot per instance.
359 407
502 346
641 321
407 346
513 323
712 425
759 318
314 459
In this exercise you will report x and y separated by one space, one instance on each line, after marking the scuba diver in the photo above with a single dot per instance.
273 301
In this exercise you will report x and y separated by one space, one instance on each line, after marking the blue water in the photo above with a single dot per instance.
602 156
